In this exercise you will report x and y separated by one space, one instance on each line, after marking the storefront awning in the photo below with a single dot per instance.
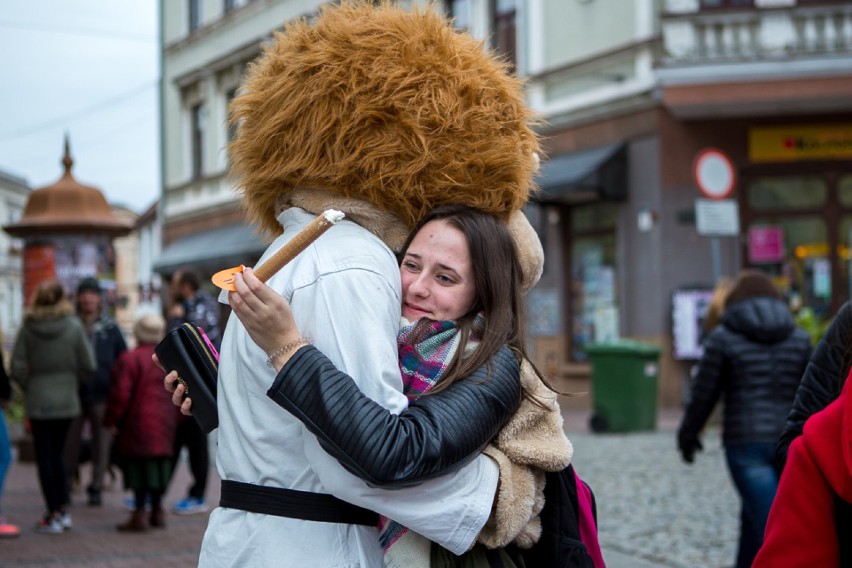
212 250
588 175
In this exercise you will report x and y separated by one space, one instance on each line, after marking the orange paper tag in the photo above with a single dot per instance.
224 279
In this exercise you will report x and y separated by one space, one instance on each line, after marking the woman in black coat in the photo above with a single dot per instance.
823 379
755 358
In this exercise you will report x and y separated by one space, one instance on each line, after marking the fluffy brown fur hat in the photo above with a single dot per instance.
384 105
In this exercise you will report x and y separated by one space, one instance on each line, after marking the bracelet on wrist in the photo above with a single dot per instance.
299 341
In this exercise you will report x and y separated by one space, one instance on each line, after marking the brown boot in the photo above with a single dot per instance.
136 523
157 520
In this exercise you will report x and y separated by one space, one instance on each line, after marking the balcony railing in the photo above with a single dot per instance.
754 33
621 71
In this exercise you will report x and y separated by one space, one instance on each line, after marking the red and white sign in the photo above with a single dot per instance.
714 173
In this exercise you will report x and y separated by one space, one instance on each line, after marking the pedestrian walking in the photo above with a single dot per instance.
192 304
108 343
50 357
754 359
144 421
808 524
823 379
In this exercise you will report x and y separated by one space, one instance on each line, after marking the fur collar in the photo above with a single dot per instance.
63 308
384 224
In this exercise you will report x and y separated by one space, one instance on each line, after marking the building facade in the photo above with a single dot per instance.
630 93
13 198
205 48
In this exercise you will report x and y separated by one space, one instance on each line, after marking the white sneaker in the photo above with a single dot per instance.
50 525
65 521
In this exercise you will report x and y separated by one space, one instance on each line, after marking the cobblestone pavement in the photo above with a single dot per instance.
654 510
93 541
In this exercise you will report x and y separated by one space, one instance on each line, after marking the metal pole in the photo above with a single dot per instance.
716 259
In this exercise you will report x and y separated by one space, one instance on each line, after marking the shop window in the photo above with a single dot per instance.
844 253
593 218
791 192
795 252
844 191
594 279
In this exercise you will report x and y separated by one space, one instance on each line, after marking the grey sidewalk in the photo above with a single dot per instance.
653 510
93 541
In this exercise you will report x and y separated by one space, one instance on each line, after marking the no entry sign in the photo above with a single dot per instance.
714 173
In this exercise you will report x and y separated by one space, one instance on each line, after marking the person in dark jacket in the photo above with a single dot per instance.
144 420
755 358
823 379
809 521
108 343
192 304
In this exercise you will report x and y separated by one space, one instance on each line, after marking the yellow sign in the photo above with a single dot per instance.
796 143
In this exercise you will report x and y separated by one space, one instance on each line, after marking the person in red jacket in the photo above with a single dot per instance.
145 421
803 529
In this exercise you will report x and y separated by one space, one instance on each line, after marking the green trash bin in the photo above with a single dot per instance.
624 386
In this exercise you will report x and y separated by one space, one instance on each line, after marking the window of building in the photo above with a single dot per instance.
194 7
801 265
798 231
504 13
844 236
196 117
594 279
713 4
231 5
232 128
459 11
789 192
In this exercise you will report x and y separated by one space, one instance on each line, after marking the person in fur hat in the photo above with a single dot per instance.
384 114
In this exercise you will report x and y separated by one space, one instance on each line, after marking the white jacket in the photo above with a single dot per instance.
345 294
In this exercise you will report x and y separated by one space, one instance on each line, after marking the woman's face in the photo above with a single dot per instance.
437 276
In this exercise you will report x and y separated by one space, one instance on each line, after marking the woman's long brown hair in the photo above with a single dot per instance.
497 279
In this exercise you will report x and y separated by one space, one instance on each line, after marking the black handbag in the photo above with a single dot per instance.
187 350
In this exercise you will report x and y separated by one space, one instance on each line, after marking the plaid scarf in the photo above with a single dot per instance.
423 360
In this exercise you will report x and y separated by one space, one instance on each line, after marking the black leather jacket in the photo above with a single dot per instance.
823 378
434 436
756 357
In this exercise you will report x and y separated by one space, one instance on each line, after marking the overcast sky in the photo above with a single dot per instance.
88 68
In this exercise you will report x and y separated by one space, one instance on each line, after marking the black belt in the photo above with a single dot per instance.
293 504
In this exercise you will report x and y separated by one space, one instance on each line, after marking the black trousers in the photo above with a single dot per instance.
189 434
48 442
